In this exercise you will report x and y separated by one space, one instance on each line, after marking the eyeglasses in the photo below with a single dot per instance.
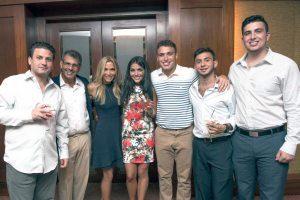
70 64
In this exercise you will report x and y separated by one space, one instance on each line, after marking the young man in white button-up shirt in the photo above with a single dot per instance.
74 178
267 88
174 119
213 125
32 109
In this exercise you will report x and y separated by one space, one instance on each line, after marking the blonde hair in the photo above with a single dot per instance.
98 80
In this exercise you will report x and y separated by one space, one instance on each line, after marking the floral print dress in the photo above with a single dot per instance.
138 130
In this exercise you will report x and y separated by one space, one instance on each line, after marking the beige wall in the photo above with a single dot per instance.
283 18
284 23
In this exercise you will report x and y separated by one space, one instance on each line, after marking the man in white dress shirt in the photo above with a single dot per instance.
267 88
213 125
32 109
74 178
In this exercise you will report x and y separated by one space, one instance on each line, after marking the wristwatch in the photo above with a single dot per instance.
228 128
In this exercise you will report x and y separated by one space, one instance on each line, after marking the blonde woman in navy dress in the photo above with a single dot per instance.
138 129
105 90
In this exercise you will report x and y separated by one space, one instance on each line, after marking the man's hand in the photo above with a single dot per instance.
215 128
284 157
63 163
223 83
42 112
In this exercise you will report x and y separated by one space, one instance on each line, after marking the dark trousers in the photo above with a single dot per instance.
254 159
213 170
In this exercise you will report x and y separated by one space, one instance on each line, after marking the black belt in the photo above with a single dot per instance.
214 139
257 133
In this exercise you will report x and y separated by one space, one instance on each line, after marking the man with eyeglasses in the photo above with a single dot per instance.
267 88
213 126
32 109
174 119
73 179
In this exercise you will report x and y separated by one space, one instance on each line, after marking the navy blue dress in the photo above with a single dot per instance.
106 144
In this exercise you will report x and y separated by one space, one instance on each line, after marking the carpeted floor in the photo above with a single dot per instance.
119 192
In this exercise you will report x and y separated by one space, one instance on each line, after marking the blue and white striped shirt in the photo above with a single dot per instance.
174 109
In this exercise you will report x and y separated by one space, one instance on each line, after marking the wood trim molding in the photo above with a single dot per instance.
14 2
18 14
174 20
119 15
20 38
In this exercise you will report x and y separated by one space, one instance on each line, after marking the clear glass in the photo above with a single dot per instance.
127 44
81 42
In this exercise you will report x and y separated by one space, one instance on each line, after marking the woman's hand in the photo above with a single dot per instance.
149 108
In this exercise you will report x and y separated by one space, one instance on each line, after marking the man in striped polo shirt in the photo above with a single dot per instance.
173 135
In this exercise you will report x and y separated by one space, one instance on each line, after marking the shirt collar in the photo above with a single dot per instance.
63 83
29 76
195 85
267 60
175 73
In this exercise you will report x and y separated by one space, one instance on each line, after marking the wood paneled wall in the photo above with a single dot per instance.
202 23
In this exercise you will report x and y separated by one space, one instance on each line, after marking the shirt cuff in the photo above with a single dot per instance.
26 116
289 148
64 154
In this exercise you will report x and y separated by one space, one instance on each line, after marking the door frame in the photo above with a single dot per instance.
148 24
53 37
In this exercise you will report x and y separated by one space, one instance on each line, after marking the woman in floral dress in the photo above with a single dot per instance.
138 128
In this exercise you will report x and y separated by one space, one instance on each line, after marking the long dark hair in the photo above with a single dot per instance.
129 84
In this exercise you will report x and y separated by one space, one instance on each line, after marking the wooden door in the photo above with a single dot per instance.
109 48
102 44
109 44
13 58
202 23
54 37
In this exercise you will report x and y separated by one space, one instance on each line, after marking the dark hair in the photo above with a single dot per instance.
74 54
254 18
166 43
41 45
146 83
202 50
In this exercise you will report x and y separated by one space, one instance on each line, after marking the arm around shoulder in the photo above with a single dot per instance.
92 90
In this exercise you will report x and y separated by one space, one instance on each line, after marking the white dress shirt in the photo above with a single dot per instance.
268 95
75 101
212 106
31 146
